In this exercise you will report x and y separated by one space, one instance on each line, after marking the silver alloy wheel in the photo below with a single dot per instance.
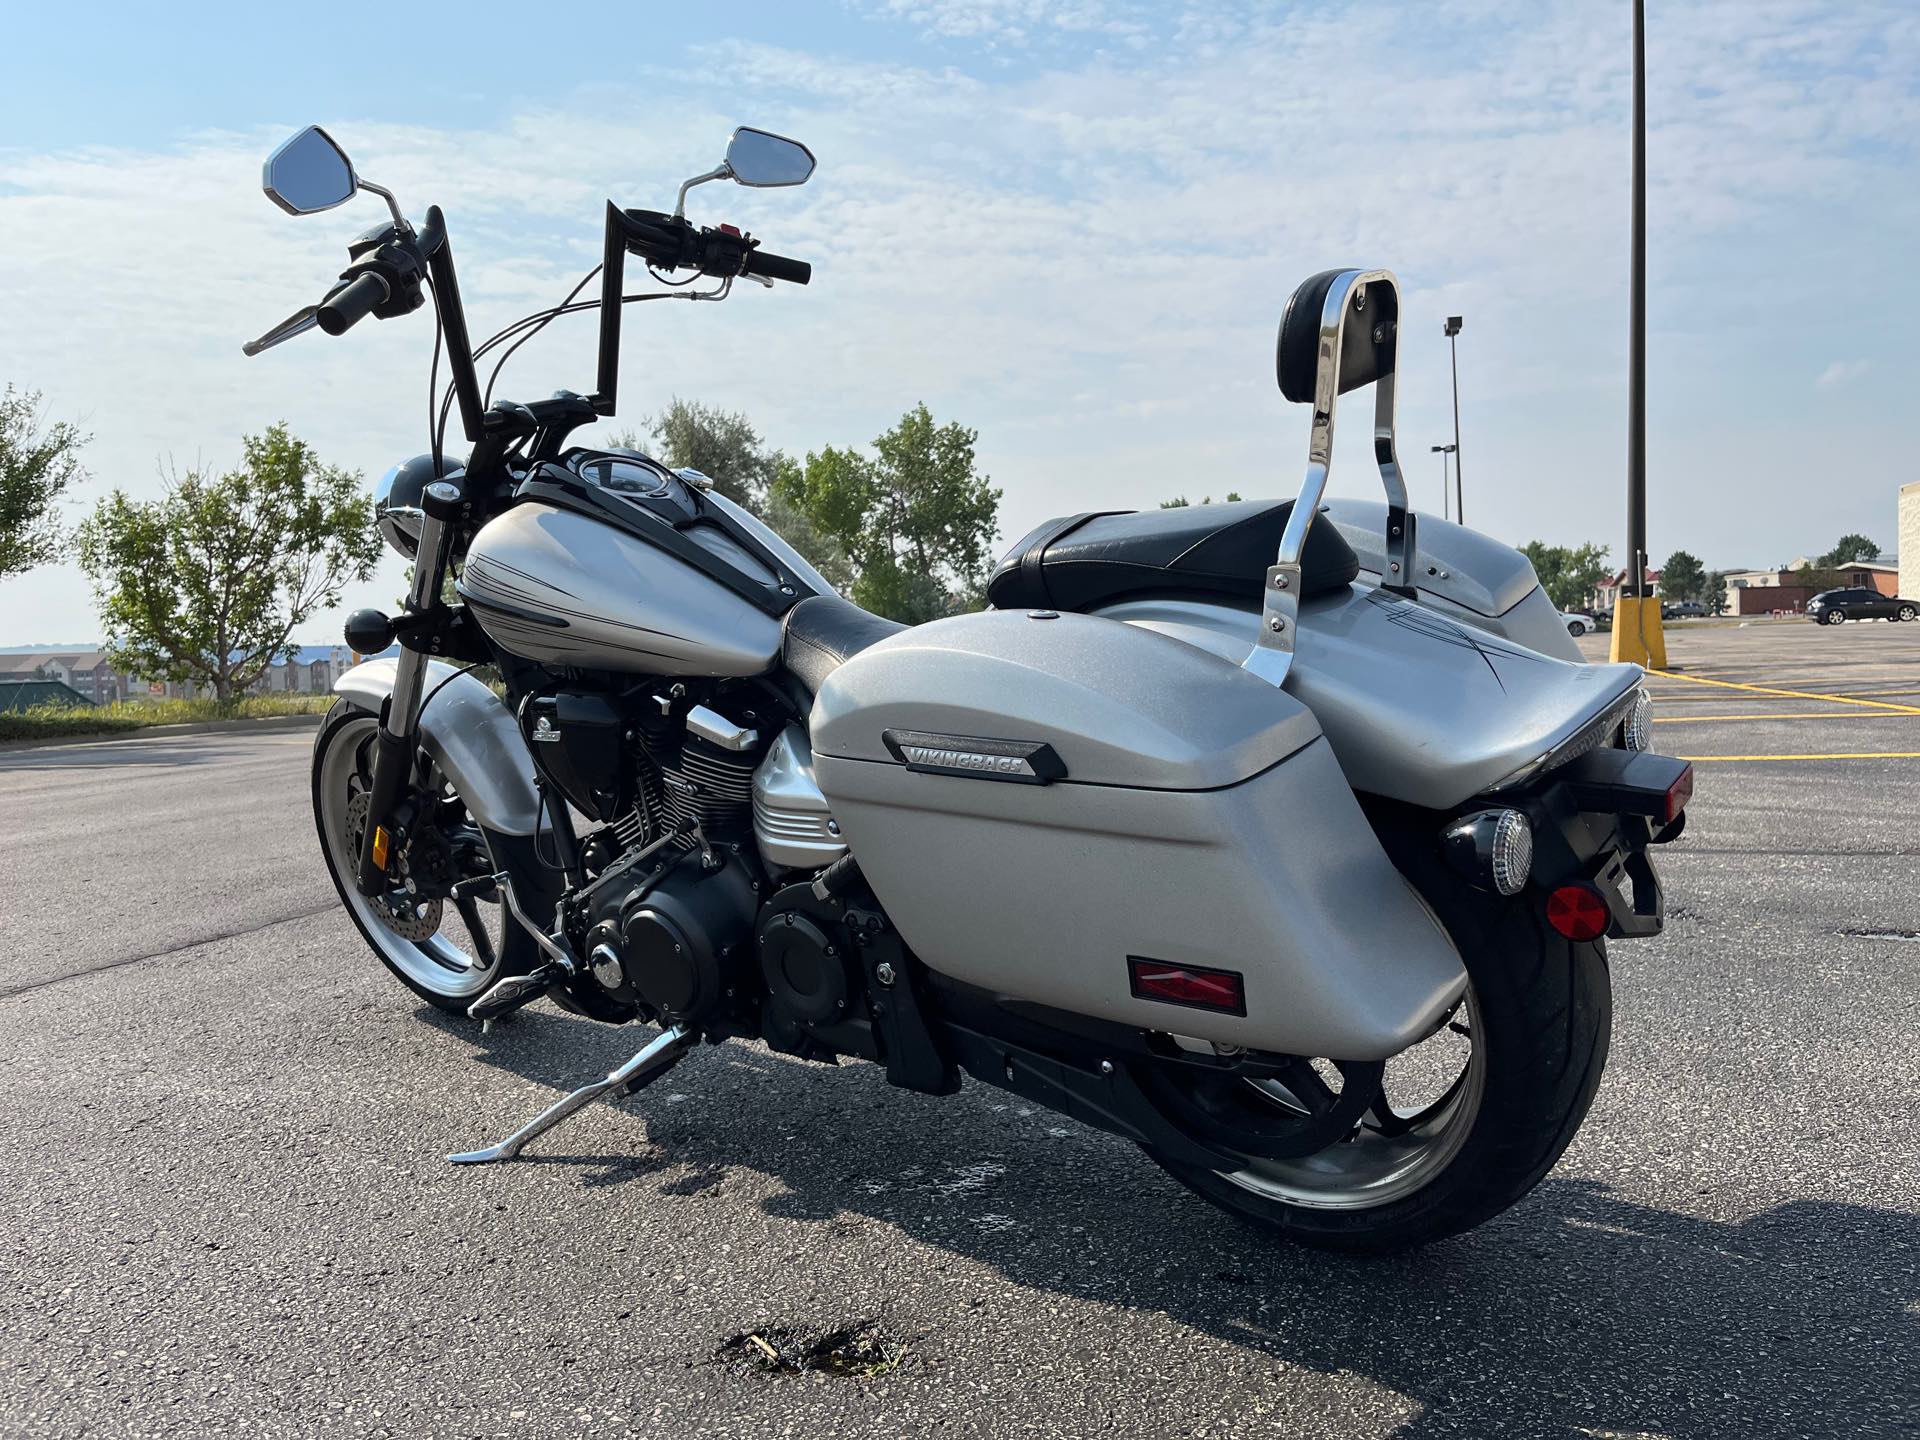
436 962
1380 1163
1907 612
1833 617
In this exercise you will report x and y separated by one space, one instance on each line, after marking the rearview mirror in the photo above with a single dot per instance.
758 158
309 174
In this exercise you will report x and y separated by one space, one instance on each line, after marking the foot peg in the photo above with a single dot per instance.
652 1062
513 992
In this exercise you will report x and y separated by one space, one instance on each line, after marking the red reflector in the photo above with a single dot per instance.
1187 985
1578 912
1679 793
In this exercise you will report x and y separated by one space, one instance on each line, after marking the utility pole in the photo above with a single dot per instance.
1443 451
1459 494
1637 635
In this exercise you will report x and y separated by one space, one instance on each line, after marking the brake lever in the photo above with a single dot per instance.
297 323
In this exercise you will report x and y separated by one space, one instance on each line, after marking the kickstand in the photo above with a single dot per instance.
653 1061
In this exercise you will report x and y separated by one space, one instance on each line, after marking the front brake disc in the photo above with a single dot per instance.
408 916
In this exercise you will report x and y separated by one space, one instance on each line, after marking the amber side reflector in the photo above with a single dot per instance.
1195 985
1578 912
380 843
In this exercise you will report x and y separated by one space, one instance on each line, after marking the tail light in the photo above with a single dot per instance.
1678 793
1623 782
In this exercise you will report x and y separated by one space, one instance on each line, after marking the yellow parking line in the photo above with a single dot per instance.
1779 715
1841 755
1880 705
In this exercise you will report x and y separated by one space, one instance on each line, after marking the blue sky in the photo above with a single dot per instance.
1071 226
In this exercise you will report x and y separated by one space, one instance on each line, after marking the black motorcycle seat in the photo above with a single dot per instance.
1081 562
823 632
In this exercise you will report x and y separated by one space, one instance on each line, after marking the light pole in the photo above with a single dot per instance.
1637 635
1459 494
1443 451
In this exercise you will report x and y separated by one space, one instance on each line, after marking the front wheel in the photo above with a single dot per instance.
446 951
1576 628
1468 1121
1907 612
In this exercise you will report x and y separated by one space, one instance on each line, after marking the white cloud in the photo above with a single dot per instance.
1084 259
1842 373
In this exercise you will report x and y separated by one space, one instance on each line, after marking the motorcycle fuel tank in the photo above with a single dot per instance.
563 588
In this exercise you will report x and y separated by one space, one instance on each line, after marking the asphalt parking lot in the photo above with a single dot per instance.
224 1208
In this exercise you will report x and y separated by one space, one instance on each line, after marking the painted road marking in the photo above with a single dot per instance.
1845 755
1884 706
1781 715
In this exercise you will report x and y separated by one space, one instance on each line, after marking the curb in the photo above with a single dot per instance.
169 732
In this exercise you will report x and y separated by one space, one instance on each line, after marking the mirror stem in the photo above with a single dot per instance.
399 220
719 172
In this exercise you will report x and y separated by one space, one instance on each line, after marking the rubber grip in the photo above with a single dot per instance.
776 267
352 303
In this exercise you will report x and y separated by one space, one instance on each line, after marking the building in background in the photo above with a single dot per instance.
1608 590
1785 591
91 679
1910 539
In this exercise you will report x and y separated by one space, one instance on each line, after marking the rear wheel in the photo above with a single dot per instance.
1833 617
446 951
1576 628
1467 1121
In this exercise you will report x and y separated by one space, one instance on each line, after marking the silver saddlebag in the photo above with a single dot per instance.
1070 810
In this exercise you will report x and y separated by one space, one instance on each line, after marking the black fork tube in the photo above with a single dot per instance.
394 745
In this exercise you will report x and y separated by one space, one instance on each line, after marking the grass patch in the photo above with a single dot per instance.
46 722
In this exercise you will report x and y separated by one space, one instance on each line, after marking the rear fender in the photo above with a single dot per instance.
471 735
1417 706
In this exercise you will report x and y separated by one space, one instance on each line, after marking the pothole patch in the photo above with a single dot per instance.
1910 937
859 1351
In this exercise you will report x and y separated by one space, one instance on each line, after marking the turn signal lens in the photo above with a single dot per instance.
1512 860
1578 912
380 843
1637 733
1194 985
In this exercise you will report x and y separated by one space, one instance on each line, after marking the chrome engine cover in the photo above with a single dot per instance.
792 823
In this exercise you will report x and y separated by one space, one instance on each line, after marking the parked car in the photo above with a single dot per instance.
1682 610
1578 622
1857 602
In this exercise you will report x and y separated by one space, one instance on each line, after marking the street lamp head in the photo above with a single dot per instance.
1445 449
1453 324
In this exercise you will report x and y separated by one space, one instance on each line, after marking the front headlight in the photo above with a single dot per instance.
396 501
1637 731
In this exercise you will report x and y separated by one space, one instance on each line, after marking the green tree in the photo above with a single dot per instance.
36 467
1850 548
720 444
1568 575
1717 598
1683 577
914 518
1180 501
724 446
207 583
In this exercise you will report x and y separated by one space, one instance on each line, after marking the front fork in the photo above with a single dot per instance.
394 745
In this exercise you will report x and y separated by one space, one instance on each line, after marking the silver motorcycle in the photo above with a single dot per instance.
1280 838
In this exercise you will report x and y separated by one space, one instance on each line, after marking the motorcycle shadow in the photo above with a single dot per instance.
1578 1313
